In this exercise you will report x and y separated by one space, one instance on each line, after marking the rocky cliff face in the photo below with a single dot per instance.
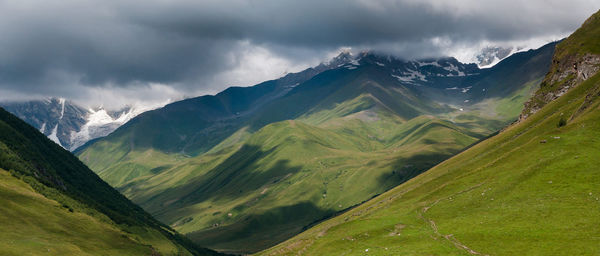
564 75
576 59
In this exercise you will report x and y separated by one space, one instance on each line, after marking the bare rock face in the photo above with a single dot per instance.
564 75
582 68
588 67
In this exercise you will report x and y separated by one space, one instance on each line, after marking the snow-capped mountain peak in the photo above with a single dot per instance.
69 124
490 56
344 58
101 122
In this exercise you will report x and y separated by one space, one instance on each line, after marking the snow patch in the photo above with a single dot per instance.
293 85
432 63
493 63
62 111
100 123
496 60
402 78
453 68
463 90
410 76
43 128
379 64
53 136
99 117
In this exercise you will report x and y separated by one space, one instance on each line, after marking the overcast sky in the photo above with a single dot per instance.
148 51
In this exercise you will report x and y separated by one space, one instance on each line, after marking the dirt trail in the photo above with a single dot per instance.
449 237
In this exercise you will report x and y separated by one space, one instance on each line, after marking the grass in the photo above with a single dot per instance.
256 189
34 225
52 203
509 195
285 176
288 163
512 105
329 144
583 41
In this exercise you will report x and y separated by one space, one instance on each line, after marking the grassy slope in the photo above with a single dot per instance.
509 195
583 41
33 224
287 175
291 172
77 203
356 134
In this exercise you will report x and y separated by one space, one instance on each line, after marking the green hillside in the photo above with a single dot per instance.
533 189
52 204
332 142
284 176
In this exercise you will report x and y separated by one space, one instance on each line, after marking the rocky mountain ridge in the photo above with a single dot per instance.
577 59
69 124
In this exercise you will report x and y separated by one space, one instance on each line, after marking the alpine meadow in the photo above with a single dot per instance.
359 128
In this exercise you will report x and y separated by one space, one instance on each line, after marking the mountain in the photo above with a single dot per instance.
53 204
530 190
250 167
54 117
68 124
491 55
195 125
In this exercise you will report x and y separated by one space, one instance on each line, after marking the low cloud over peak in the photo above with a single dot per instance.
92 50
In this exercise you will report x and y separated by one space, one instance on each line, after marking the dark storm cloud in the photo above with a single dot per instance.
317 23
92 45
59 47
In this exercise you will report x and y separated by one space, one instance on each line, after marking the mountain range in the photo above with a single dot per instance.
364 154
252 166
532 189
69 124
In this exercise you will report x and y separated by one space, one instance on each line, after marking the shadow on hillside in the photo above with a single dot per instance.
239 174
404 169
302 98
256 232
